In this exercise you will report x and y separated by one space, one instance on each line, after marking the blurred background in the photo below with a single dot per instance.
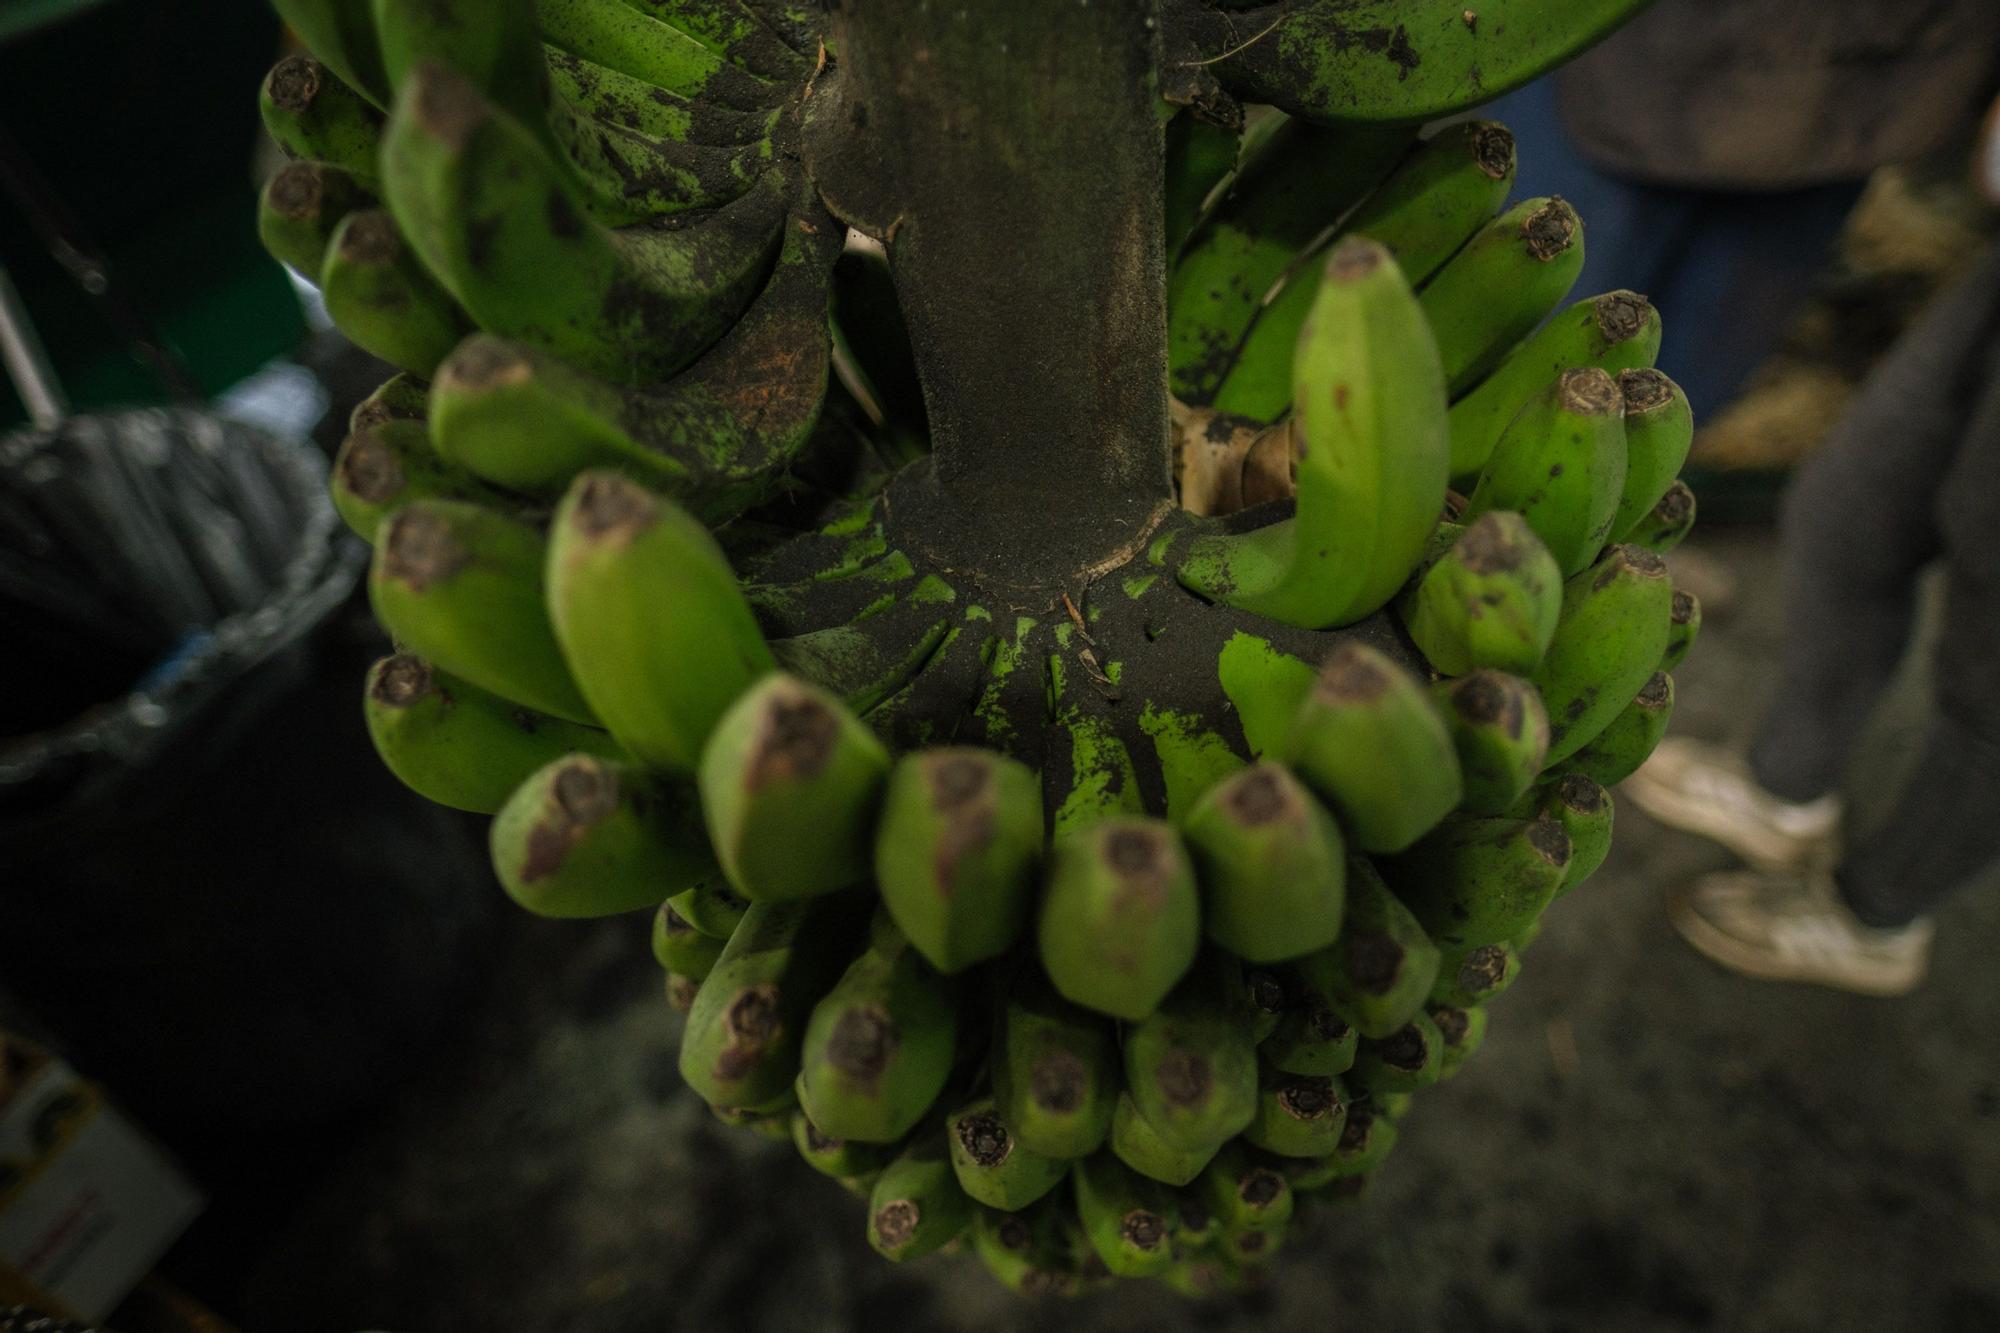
404 1105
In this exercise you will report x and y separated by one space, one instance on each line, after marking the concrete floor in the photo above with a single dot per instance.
1646 1142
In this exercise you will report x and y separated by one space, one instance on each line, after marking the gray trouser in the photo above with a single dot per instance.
1910 475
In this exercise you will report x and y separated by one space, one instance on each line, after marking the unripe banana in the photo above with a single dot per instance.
635 43
680 948
956 852
491 45
1266 686
993 1166
1311 1037
1614 332
649 612
1026 1251
743 1036
790 783
401 397
586 837
1297 1115
1463 1031
461 585
1683 625
1501 734
1628 738
1407 1059
1443 192
879 1045
1191 1066
1583 808
454 743
1264 997
1382 966
1245 1192
1560 464
917 1206
681 991
1119 920
1471 977
1139 1146
1299 182
1491 600
1371 473
840 1158
1609 640
381 297
1054 1069
1480 881
316 118
711 908
1272 863
1369 741
1661 528
1500 286
1125 1216
1659 428
342 34
383 467
1365 1140
299 210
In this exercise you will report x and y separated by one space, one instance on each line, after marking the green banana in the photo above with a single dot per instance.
1124 1216
454 743
741 1047
1462 1032
681 991
1506 280
1371 472
1491 600
1311 1037
1369 741
315 117
1583 808
1610 638
624 38
1244 1192
496 219
1661 528
1026 1251
1560 464
1200 154
341 34
299 210
1264 997
1615 332
879 1045
1137 1144
1300 181
1626 741
840 1158
711 908
491 45
1272 863
1396 60
1406 1060
1266 686
617 556
1298 1115
382 298
993 1166
1055 1070
401 397
1659 428
617 101
626 177
1119 920
790 783
1501 733
1191 1066
462 586
1382 966
587 837
1365 1141
917 1206
1471 977
768 40
956 852
1481 880
680 948
1683 625
1441 194
385 466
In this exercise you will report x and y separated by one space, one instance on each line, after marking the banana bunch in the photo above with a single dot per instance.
1098 924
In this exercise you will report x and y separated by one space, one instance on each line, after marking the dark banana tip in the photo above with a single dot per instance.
583 794
1483 968
673 923
1550 230
795 740
1645 390
369 468
1267 993
294 82
1590 392
399 681
1137 854
1622 316
610 507
955 781
1550 841
1326 1024
1683 608
1488 547
1258 798
418 548
481 364
862 1043
1675 506
1452 1024
1404 1049
1354 258
1058 1082
749 1024
1581 794
446 106
896 1223
1351 674
1493 148
296 191
1014 1234
1483 699
681 992
1657 692
1374 960
370 237
1309 1098
985 1139
1184 1078
1143 1229
1628 557
819 1142
1259 1186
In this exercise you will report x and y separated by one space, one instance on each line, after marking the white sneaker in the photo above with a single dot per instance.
1702 788
1795 928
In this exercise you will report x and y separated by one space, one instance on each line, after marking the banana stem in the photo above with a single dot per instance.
1013 169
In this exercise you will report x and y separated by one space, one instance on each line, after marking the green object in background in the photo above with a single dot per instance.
157 177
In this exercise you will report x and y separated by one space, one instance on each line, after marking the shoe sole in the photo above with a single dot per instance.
1774 853
1725 949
